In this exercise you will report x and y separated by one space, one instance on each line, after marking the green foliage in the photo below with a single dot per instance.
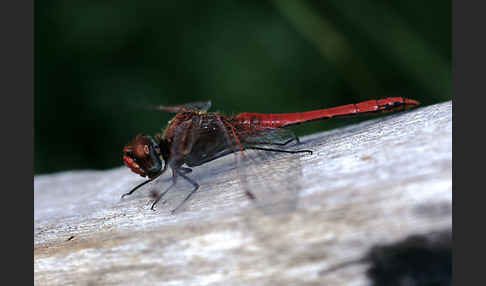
98 62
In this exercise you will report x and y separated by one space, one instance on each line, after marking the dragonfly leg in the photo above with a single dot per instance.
294 137
134 189
174 182
284 143
196 186
280 150
157 199
185 170
290 133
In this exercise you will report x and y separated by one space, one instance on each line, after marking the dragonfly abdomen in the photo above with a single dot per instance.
275 120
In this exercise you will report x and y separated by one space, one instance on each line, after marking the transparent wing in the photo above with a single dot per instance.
193 106
272 179
269 168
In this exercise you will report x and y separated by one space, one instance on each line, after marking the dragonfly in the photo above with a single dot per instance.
195 136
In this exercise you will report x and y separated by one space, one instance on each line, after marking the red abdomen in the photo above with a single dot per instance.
260 120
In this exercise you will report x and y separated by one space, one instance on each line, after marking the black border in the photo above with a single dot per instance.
17 89
468 87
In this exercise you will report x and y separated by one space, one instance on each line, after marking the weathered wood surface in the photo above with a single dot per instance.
374 182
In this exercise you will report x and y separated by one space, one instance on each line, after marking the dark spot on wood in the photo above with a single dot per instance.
417 260
154 194
367 158
250 195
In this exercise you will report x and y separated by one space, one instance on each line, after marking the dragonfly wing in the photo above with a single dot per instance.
268 169
273 179
193 106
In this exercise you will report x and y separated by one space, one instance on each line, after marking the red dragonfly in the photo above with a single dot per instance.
194 137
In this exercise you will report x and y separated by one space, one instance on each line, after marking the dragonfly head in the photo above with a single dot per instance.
144 157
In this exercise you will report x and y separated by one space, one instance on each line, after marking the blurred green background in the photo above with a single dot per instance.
97 61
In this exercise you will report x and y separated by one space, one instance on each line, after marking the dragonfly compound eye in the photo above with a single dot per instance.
130 163
141 156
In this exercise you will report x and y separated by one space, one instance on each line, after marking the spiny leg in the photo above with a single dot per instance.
280 150
134 189
185 170
184 135
277 143
157 199
196 186
290 133
294 138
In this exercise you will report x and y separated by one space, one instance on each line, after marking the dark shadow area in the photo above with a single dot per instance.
416 261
